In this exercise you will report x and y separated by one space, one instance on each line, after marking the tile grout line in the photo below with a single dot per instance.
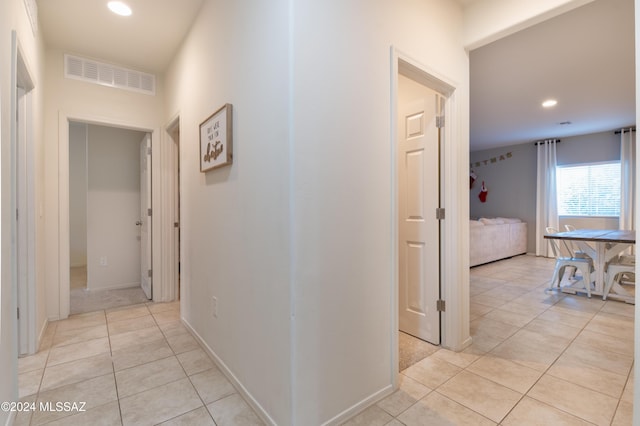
470 372
523 395
185 373
113 367
551 365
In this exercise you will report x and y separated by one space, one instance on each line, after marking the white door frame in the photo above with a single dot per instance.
23 249
146 236
162 288
454 251
172 206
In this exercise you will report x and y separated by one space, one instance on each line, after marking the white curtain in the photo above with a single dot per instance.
628 187
546 197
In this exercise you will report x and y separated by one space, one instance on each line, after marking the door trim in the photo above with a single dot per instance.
23 232
172 256
146 236
454 251
64 118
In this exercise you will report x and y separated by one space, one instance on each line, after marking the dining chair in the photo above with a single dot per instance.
584 265
616 270
575 250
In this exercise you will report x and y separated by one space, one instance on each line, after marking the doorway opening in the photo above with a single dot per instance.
109 225
159 216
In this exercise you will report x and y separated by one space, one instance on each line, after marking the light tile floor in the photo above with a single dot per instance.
136 365
536 359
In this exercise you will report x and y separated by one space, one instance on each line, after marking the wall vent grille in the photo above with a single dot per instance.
96 72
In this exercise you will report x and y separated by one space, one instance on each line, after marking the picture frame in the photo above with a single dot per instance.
216 139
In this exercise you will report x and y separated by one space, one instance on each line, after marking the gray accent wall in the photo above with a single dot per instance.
590 148
511 182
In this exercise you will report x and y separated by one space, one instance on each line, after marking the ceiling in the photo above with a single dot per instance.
583 58
147 40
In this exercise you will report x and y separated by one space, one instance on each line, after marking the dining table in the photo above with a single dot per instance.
601 245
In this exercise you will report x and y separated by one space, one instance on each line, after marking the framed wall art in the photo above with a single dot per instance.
216 139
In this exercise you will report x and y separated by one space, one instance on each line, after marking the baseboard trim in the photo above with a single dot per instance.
360 406
114 287
259 410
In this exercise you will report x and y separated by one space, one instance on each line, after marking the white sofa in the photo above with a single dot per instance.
495 239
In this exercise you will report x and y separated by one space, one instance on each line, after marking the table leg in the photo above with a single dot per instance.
599 263
598 256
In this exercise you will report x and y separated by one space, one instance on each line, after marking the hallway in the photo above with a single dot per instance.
136 365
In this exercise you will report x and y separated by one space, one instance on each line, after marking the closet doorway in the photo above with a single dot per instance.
109 207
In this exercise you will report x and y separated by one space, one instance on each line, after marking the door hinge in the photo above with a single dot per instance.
148 212
440 305
148 150
439 213
150 273
440 121
18 309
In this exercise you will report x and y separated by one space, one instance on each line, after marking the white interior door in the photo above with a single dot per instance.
145 216
419 228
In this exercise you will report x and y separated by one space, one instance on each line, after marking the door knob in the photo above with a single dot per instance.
139 223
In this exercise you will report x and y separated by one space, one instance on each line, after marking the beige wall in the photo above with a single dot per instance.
342 191
235 221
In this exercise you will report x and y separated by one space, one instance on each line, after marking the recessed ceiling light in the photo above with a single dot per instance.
549 103
119 8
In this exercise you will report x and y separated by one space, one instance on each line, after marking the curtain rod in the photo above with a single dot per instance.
617 132
541 142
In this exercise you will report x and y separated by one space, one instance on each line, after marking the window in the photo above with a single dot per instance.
589 189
